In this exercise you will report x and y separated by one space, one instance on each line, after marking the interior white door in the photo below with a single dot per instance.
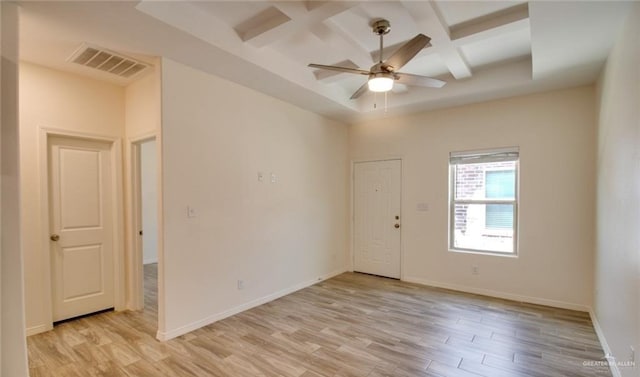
81 222
377 193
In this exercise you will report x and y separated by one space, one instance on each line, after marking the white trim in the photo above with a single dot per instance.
119 229
487 253
43 174
498 294
484 152
135 272
143 137
167 335
615 371
352 215
515 202
44 133
38 329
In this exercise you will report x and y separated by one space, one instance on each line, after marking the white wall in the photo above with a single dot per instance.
149 183
556 134
274 236
617 267
13 348
142 110
54 99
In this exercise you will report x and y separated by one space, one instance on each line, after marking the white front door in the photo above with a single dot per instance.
81 222
377 217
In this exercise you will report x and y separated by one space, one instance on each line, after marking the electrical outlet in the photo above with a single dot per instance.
475 270
191 212
274 178
632 354
240 284
260 177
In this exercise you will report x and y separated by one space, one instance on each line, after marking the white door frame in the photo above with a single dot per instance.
352 214
136 270
117 214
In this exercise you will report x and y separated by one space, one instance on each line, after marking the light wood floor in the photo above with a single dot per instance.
351 325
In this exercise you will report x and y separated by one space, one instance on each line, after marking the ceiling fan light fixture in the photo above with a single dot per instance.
382 74
380 82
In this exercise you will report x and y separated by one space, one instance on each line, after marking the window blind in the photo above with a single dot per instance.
478 157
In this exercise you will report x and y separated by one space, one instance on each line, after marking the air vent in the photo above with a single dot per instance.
107 61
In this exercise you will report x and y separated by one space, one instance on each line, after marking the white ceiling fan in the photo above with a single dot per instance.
383 74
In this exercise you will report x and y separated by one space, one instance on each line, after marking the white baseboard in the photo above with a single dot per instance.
498 294
38 329
615 371
166 335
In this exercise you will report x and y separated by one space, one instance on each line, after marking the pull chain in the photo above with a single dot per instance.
385 102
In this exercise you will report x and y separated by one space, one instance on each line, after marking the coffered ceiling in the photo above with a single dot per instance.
483 49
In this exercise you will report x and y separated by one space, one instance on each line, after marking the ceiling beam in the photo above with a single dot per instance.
493 32
288 18
429 19
456 63
265 25
491 21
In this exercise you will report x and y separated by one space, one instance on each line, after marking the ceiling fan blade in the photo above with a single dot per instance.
340 69
360 90
407 51
416 80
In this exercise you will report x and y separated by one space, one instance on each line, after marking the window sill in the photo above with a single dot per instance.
482 252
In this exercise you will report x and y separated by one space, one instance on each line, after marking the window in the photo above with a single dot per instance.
484 201
499 184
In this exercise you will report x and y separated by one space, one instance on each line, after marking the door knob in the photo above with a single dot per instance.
397 226
54 237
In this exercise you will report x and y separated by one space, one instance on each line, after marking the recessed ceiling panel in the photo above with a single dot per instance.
304 46
456 12
426 65
234 13
357 23
501 47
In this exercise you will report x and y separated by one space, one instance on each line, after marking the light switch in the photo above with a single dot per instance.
260 176
191 212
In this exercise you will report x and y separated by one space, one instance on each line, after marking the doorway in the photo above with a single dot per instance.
377 197
145 188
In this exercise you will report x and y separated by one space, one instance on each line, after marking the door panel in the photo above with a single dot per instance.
81 271
80 176
80 172
377 191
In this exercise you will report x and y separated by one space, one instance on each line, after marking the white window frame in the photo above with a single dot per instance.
476 157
